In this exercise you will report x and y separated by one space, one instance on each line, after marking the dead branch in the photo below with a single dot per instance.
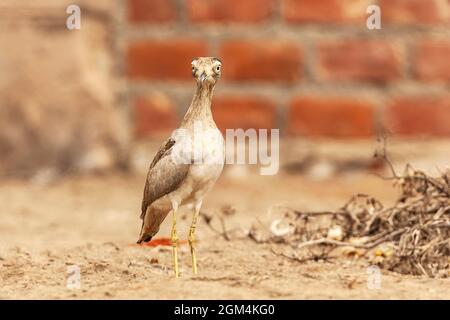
412 236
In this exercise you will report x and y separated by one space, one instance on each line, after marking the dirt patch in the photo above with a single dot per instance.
93 222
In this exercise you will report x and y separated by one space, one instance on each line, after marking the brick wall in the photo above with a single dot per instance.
308 67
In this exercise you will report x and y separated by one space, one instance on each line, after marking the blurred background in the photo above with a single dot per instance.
82 113
95 98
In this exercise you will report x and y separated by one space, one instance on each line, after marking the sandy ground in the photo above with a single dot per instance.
92 222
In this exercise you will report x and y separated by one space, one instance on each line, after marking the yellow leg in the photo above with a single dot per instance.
175 243
191 238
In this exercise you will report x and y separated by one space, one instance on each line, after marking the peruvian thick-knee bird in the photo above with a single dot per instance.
187 164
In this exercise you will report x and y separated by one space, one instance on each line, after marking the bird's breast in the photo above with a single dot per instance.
208 147
209 156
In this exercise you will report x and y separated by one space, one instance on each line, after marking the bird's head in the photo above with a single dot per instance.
206 70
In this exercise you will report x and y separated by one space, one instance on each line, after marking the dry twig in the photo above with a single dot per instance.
416 227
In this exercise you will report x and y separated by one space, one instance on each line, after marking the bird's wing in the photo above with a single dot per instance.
164 175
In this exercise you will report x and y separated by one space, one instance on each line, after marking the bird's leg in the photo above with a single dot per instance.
175 242
191 237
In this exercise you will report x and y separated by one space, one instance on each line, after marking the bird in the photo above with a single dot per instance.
187 164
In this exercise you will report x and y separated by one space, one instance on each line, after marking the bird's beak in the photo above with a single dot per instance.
202 77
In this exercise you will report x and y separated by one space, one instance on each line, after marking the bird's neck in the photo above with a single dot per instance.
200 108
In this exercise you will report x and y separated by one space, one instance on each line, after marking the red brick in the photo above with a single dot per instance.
419 116
163 59
261 60
230 10
151 11
414 11
233 112
153 115
359 60
325 11
432 61
335 117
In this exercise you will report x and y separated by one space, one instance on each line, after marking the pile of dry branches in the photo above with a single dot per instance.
411 237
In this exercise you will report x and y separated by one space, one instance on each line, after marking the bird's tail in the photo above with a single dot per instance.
144 237
151 222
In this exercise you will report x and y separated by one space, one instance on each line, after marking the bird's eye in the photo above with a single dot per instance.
218 69
193 69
